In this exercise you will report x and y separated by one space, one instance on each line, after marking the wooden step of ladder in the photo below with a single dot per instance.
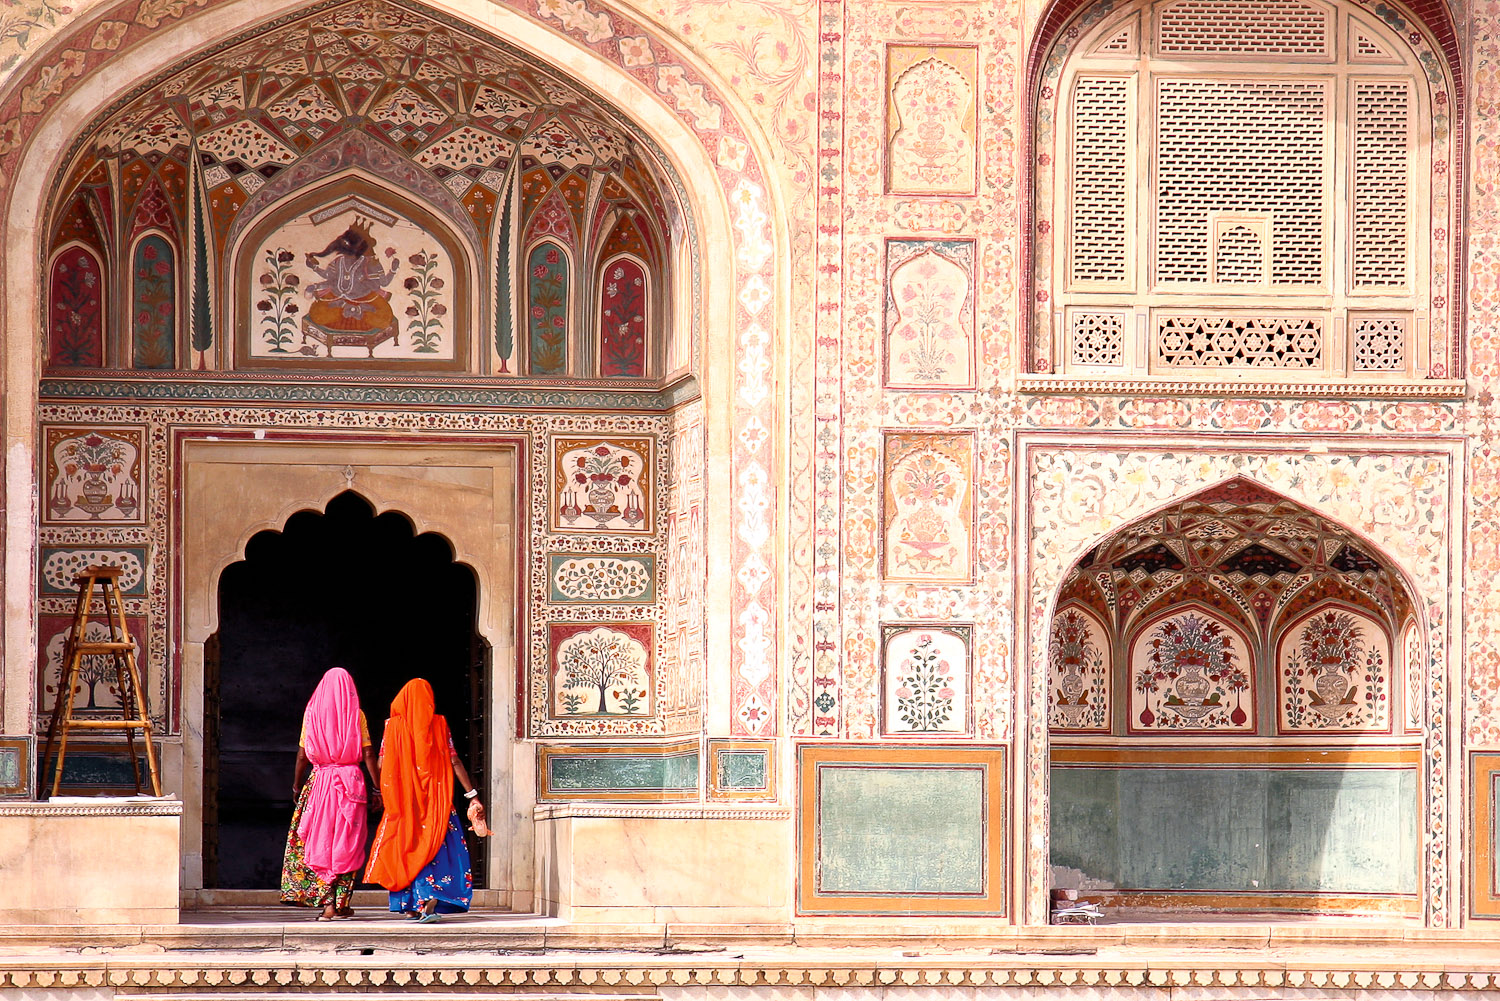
121 649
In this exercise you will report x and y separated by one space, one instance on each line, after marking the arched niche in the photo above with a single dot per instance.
720 150
1210 812
353 273
155 303
1080 668
341 586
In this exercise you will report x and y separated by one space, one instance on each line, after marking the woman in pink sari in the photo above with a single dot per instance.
326 845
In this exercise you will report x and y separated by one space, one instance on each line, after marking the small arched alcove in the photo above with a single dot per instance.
1229 724
343 587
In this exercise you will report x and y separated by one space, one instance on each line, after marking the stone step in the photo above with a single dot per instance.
581 994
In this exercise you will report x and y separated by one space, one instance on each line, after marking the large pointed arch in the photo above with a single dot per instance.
736 206
1239 565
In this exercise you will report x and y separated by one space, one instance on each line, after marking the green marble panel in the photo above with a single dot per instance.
623 772
1324 830
746 770
10 767
901 830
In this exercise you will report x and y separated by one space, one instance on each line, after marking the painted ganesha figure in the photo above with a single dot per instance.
351 305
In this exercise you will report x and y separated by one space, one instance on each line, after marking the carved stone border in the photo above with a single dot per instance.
470 971
108 808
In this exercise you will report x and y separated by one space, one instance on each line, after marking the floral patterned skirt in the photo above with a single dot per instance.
446 879
299 884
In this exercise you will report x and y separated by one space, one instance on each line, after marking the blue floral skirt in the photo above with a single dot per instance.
446 879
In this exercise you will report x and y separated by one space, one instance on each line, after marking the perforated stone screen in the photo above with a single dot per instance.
1245 184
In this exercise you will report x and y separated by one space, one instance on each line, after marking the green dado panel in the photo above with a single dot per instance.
901 830
621 772
1232 829
743 769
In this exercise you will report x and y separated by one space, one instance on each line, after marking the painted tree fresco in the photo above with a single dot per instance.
926 678
622 319
602 669
929 314
928 507
547 309
352 282
75 314
154 304
1334 674
98 691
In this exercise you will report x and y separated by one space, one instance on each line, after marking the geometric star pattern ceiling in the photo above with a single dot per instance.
472 116
1254 555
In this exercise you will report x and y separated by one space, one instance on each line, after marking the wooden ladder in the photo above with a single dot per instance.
127 678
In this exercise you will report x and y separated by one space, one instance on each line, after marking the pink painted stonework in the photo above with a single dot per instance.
928 507
932 130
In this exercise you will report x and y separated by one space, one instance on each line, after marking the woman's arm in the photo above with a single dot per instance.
463 776
299 771
475 809
372 765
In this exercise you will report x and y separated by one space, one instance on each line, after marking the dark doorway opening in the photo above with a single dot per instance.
338 588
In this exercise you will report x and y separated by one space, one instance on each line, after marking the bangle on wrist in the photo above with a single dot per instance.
471 793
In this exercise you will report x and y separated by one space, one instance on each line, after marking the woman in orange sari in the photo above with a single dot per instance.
419 853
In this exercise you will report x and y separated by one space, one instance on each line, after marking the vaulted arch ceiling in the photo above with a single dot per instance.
457 115
1259 557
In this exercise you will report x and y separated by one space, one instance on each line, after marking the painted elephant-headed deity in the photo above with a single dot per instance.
351 306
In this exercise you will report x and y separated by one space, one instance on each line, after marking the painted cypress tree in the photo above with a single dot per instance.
504 314
202 316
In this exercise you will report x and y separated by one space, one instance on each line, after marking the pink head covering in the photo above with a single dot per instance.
333 820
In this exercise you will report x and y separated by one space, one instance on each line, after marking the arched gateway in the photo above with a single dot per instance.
312 236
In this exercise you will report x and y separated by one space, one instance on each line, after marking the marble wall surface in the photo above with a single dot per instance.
864 453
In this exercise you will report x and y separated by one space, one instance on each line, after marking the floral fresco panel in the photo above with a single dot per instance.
928 507
602 485
93 475
1411 645
602 669
60 567
1079 668
931 119
1191 671
1333 674
153 313
929 314
547 309
622 319
75 313
926 672
589 577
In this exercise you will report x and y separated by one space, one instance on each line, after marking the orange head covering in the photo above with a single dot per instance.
416 782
